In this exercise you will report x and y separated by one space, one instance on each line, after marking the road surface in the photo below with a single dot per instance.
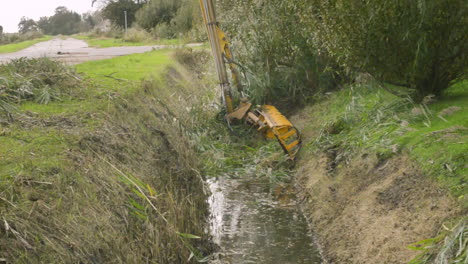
74 51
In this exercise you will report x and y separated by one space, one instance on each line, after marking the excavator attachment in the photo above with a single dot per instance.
267 119
274 125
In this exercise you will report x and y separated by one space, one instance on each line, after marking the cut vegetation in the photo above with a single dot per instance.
104 172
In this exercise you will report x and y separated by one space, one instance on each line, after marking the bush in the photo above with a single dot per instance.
114 32
63 22
270 43
157 12
420 44
169 18
186 17
163 31
194 60
136 35
114 11
8 38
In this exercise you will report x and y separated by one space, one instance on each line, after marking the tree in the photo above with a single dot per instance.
420 44
1 31
89 21
114 11
44 25
26 25
63 22
157 12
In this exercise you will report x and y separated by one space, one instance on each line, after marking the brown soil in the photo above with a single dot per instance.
369 211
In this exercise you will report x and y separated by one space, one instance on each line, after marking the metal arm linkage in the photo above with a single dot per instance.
267 119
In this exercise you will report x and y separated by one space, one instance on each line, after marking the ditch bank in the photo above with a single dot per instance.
370 212
103 171
365 192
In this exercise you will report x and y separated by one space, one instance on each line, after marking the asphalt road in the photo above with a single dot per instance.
74 51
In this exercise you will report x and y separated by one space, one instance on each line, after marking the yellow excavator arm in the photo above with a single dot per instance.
267 118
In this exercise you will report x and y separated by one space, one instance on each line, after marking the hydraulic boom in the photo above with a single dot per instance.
267 119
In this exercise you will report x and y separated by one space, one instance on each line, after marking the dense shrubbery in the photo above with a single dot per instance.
26 25
136 35
114 11
8 38
161 18
169 18
157 12
421 44
270 43
292 47
63 22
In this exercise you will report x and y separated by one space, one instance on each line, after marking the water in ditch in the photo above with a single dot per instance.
251 226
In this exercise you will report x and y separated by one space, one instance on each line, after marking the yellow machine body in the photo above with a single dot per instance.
267 118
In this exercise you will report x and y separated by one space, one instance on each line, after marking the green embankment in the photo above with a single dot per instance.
103 42
366 118
376 166
107 175
22 45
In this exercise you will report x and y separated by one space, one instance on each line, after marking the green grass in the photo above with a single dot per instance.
22 45
60 162
39 147
435 147
134 67
36 149
71 106
125 71
367 119
18 146
114 42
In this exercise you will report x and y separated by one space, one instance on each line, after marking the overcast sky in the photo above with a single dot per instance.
11 11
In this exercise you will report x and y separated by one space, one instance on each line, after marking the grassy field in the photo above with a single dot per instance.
107 165
22 45
113 42
133 68
126 72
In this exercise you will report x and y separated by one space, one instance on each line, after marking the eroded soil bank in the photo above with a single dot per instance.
369 210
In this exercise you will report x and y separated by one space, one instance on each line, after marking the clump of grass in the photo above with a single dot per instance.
450 247
41 80
195 60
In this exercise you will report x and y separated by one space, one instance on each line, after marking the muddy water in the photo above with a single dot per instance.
250 226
